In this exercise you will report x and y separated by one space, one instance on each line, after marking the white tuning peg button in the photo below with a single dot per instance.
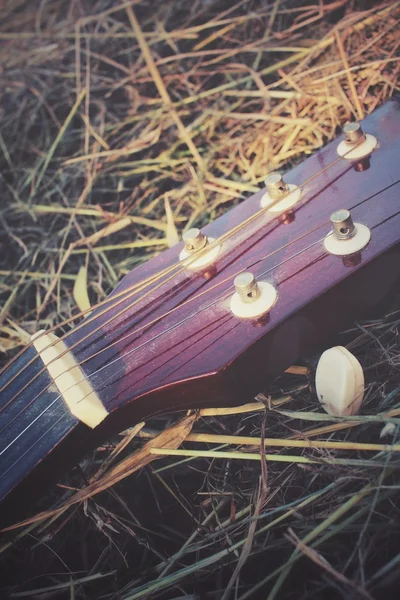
339 382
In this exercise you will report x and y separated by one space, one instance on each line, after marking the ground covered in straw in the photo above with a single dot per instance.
121 125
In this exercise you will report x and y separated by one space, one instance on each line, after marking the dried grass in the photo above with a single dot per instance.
122 125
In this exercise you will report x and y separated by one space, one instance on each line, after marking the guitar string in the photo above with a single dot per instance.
197 312
134 288
154 338
230 277
230 233
140 285
218 241
155 320
148 324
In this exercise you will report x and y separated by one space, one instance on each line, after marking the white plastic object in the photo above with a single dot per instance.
206 257
388 430
258 307
287 202
352 152
70 380
339 382
350 245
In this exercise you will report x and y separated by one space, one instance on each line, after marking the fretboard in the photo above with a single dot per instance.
33 422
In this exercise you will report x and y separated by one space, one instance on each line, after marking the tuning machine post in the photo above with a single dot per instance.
357 144
252 298
346 237
196 243
279 196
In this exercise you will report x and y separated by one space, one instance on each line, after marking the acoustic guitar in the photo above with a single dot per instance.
209 322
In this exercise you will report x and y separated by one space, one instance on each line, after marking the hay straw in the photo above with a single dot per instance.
122 125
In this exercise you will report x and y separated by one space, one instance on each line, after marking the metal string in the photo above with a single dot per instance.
154 338
156 277
155 320
219 299
178 269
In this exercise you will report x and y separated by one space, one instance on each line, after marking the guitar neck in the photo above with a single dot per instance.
34 421
39 436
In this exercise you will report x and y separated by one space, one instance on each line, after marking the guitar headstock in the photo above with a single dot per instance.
170 336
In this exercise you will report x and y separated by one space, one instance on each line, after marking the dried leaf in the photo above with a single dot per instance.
117 226
13 336
149 138
171 233
80 289
170 438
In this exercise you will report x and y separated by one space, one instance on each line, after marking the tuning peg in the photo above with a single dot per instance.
339 382
356 144
343 226
247 287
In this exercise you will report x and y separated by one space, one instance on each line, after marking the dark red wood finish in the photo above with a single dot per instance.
201 354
